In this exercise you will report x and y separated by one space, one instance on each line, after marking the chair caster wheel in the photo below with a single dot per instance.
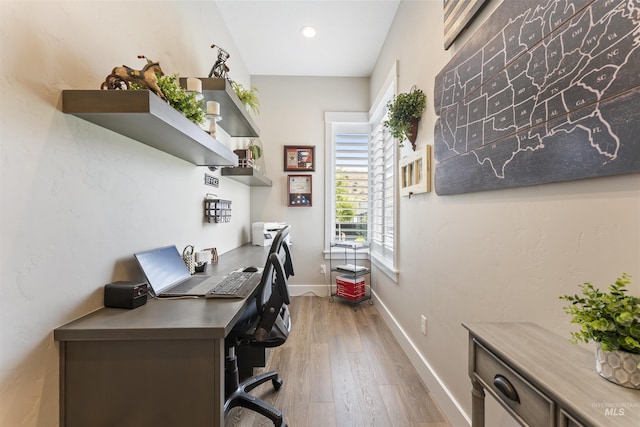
277 383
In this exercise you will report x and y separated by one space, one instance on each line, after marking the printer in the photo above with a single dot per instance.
264 232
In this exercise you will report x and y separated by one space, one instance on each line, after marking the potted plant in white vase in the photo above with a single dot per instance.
612 320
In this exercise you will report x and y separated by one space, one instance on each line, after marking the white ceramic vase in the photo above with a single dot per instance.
619 367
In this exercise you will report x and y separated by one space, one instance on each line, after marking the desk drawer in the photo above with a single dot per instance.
567 420
525 402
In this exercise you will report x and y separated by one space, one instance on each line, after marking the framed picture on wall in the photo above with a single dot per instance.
299 158
299 190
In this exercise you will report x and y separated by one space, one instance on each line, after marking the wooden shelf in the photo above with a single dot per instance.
143 116
236 121
248 176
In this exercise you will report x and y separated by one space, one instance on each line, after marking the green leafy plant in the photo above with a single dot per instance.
256 150
611 319
178 98
248 97
404 109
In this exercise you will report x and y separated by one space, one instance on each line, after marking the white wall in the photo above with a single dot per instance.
492 256
79 200
293 114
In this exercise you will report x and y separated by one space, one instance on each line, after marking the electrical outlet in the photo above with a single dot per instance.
323 269
423 324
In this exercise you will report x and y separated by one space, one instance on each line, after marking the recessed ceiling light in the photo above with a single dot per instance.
308 31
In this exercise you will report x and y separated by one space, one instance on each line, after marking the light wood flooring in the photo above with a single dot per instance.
342 368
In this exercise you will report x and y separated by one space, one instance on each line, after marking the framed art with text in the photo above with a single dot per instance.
299 190
299 158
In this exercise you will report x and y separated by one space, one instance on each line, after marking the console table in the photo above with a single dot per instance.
159 365
542 379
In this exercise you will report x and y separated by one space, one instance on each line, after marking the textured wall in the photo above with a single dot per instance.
79 200
500 255
293 114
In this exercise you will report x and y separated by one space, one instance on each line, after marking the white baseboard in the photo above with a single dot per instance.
446 401
317 290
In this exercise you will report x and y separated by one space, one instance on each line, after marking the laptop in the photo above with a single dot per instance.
168 276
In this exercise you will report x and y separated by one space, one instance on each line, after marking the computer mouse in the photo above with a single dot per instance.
251 269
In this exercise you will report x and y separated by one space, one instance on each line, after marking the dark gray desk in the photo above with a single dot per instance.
158 365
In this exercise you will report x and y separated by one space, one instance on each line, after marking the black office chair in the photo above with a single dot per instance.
263 325
281 247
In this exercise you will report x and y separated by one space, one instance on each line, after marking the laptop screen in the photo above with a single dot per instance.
163 267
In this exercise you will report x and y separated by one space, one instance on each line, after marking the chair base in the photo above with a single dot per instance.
241 397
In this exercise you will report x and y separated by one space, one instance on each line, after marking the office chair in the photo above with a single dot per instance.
280 244
264 327
281 247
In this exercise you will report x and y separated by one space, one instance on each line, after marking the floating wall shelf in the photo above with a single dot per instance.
143 116
236 121
247 175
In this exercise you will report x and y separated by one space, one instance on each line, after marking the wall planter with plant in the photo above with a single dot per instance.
612 320
405 111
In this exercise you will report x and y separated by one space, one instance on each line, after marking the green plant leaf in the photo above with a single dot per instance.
611 319
178 98
404 109
248 97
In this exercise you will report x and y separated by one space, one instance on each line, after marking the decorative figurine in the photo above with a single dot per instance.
121 76
220 68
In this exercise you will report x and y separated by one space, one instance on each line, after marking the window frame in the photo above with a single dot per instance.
338 122
334 122
377 115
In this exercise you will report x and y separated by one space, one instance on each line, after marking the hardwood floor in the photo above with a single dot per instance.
342 368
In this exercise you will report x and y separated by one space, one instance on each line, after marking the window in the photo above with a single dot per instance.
361 180
347 159
351 191
382 181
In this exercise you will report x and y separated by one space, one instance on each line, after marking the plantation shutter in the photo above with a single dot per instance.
351 197
382 197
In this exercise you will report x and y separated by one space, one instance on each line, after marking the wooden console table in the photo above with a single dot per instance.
543 380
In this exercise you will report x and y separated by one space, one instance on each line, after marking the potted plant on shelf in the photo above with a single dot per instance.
612 320
178 98
405 111
248 97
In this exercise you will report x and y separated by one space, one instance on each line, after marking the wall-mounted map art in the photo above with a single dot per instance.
457 15
545 91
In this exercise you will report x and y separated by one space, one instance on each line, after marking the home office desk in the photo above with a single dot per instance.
160 365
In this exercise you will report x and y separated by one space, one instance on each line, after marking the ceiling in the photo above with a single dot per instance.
350 35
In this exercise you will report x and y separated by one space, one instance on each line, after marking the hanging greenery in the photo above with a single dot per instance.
405 110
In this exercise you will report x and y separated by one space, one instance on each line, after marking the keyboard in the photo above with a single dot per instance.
238 284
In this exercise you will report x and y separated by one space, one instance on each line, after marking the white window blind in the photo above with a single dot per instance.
351 190
382 197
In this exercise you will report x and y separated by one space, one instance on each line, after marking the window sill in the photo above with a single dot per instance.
389 271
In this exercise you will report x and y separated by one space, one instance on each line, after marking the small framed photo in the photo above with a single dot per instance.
299 190
299 158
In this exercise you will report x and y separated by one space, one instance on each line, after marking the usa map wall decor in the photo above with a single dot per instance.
543 92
